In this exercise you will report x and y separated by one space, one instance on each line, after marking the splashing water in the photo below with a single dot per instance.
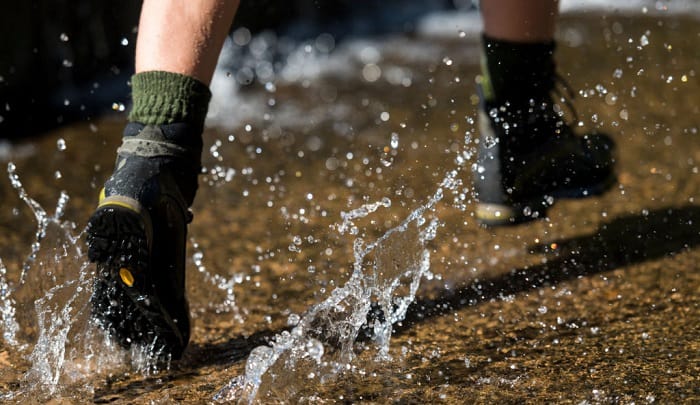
59 338
45 224
54 280
227 285
386 272
53 329
10 327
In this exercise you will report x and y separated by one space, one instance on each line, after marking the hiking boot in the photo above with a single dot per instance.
527 158
137 238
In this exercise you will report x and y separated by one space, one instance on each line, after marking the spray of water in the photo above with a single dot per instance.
46 315
10 327
225 284
386 276
65 349
55 282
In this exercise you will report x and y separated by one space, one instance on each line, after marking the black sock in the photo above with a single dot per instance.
517 71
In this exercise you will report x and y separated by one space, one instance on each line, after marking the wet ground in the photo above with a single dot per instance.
598 303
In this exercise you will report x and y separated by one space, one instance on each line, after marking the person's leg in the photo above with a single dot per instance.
137 235
520 21
527 154
183 36
518 48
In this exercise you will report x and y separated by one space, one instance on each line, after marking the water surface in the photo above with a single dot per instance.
598 303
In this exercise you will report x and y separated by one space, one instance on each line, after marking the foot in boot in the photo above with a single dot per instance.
137 238
528 157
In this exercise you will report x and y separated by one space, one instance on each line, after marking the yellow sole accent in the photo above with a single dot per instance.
119 204
102 195
120 201
494 212
126 276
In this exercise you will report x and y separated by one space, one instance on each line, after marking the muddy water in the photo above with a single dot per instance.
598 303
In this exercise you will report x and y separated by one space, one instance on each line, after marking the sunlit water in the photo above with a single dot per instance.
336 195
70 347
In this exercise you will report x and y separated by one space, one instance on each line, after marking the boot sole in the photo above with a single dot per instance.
123 300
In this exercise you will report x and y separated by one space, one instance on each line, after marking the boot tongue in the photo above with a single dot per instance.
177 140
173 147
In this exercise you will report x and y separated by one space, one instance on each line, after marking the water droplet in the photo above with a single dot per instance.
490 142
314 349
293 320
61 144
371 72
394 143
644 40
610 99
64 37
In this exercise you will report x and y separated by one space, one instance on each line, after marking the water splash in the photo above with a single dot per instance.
349 226
10 327
386 275
40 215
57 312
55 282
53 329
224 284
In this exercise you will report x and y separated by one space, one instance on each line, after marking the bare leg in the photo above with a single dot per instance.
520 20
183 36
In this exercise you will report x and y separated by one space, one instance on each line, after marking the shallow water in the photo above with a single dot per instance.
596 304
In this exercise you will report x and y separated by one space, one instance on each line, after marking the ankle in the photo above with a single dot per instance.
517 72
162 98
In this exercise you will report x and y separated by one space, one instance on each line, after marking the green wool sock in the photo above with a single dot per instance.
165 98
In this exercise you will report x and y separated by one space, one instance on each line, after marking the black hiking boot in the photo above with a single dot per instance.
137 238
528 158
